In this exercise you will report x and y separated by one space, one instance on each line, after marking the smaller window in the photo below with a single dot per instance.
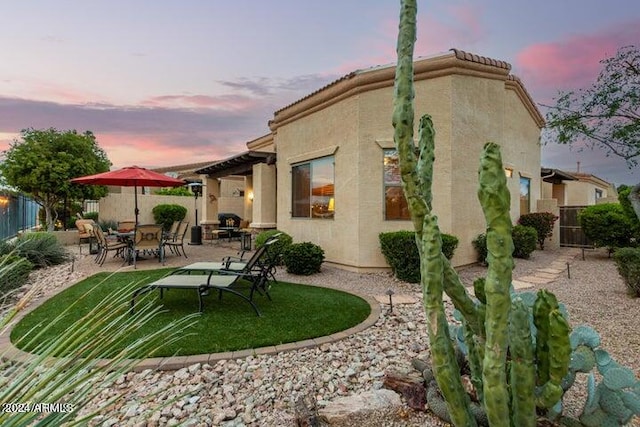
395 204
525 195
598 193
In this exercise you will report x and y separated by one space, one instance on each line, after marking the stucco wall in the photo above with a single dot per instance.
581 193
467 109
329 131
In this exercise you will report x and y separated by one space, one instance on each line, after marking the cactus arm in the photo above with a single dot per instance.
522 375
475 356
461 299
495 200
559 347
443 360
428 237
403 114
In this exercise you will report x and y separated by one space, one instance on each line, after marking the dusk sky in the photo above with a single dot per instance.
172 82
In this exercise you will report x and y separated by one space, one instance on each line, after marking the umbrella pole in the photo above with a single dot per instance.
135 198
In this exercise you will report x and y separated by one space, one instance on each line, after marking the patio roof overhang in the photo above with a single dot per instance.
555 176
240 164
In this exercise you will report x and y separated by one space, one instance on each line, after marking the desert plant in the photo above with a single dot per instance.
524 241
42 249
628 263
303 258
513 376
542 222
400 250
16 270
167 214
107 224
277 248
606 225
72 382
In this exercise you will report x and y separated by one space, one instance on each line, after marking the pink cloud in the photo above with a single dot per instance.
454 26
152 150
222 102
573 62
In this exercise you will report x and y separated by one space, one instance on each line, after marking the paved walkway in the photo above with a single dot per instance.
541 276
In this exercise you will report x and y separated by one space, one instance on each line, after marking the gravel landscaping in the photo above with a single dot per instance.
262 390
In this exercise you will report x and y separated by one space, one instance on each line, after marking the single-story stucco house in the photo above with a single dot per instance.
328 172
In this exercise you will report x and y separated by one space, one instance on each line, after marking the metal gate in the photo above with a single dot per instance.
571 234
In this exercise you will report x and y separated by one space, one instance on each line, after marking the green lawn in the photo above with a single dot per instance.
297 312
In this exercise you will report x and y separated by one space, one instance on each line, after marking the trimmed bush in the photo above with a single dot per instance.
42 249
400 250
277 249
303 258
542 222
628 262
14 271
167 214
480 245
524 241
606 225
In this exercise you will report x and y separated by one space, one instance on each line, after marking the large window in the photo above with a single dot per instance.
525 195
313 189
395 204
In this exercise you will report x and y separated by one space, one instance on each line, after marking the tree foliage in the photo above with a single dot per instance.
44 160
606 114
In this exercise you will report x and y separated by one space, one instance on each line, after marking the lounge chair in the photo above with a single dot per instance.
203 283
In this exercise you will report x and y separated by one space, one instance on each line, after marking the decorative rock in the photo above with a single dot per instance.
341 409
410 387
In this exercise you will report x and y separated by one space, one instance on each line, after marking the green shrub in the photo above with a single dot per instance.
175 191
628 262
91 215
167 214
400 250
303 258
480 245
14 271
42 249
542 222
524 241
606 225
276 249
627 207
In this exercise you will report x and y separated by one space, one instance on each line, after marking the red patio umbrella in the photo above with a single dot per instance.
132 176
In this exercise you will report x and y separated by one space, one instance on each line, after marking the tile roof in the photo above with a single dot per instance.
457 53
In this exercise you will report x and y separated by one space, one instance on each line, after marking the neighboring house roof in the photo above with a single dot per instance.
240 164
453 62
555 176
587 177
186 171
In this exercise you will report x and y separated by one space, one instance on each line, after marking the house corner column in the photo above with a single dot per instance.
264 196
